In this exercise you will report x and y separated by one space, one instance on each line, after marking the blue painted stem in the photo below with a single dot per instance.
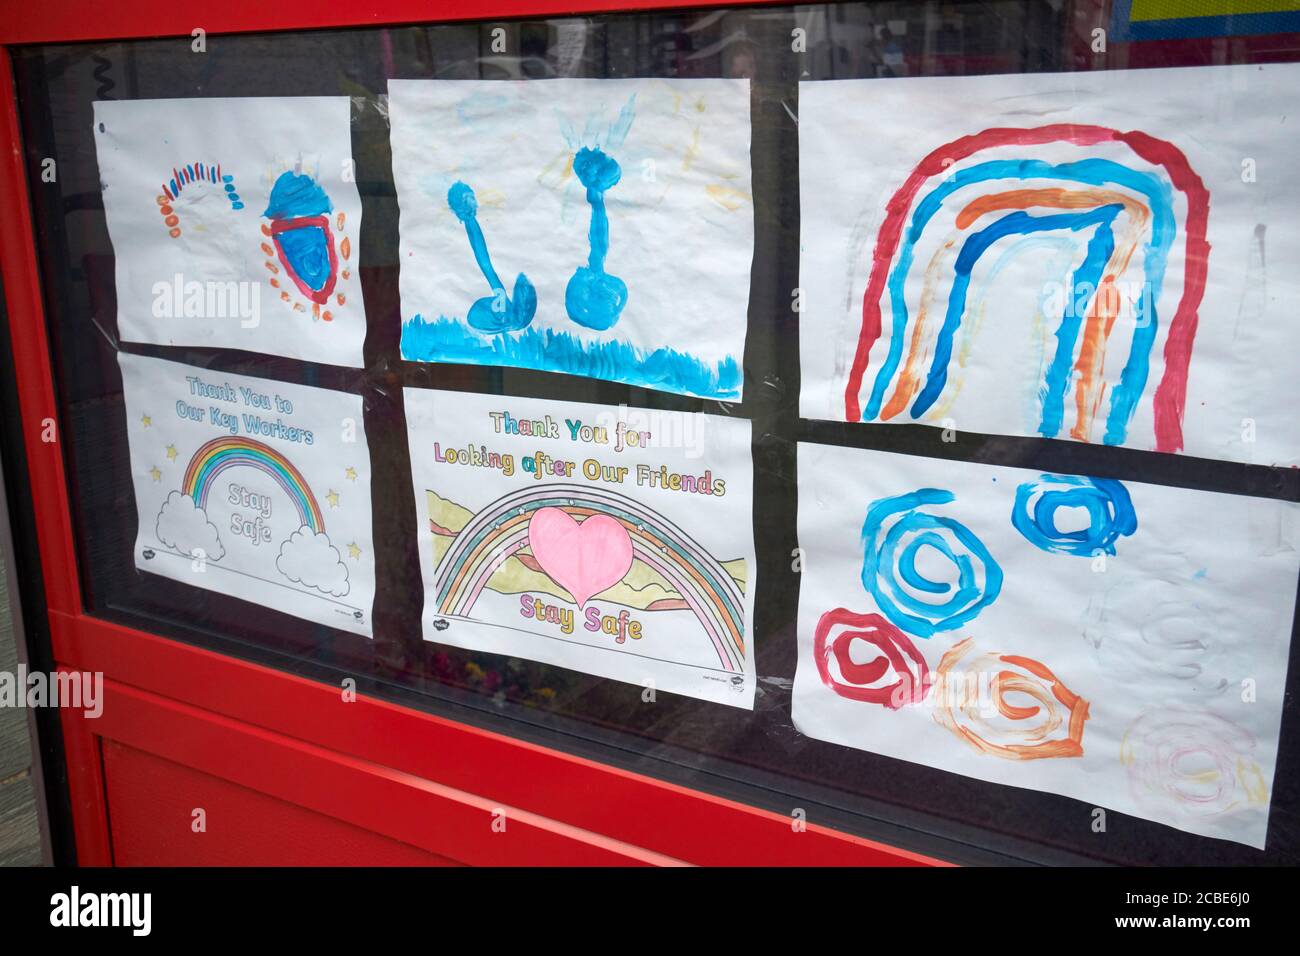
598 234
479 246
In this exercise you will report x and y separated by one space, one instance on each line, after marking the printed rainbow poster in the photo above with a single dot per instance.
601 228
234 224
1099 257
255 489
612 541
1121 643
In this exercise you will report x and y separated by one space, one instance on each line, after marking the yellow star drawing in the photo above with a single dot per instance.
350 474
146 421
171 452
155 474
353 551
333 498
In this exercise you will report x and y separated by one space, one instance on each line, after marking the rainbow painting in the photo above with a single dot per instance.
219 454
182 176
1117 213
501 531
1093 257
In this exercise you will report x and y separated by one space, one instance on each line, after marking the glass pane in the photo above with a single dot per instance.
757 757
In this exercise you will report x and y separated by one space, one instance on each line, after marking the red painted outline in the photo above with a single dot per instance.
307 222
913 682
1171 393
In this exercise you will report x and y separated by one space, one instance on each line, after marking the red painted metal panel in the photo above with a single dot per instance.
630 808
152 804
35 380
375 799
81 750
67 22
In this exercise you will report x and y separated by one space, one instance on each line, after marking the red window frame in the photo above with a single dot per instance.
412 776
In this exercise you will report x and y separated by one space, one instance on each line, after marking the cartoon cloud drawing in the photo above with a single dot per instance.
183 525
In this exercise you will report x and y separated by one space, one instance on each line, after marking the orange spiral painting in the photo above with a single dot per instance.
1007 706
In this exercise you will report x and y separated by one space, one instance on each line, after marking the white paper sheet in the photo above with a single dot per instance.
642 278
252 488
996 206
613 541
235 224
1143 632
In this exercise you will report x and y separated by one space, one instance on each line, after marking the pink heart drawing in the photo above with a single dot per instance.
584 559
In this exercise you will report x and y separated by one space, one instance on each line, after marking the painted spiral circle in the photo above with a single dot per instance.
1008 706
897 533
1196 762
895 677
1106 503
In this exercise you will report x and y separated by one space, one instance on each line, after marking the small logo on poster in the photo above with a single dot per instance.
148 554
441 624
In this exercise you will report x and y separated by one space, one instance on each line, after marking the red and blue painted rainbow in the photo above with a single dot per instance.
500 531
193 173
222 453
1098 191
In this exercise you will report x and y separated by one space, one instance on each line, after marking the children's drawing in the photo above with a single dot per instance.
593 297
991 202
306 556
660 164
303 244
538 531
897 676
495 312
1006 705
204 173
558 532
1105 502
1059 632
1174 638
1193 762
895 532
1073 278
255 250
243 515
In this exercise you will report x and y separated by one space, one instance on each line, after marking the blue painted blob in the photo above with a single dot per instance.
462 201
496 312
447 340
307 252
1105 501
593 298
1093 172
895 534
295 195
596 169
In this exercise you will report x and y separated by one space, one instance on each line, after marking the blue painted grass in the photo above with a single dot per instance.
447 340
